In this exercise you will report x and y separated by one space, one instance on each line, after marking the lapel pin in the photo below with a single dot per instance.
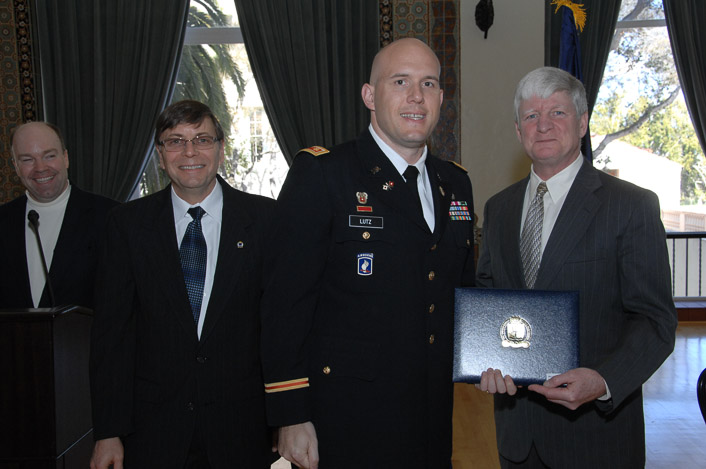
375 170
240 245
388 186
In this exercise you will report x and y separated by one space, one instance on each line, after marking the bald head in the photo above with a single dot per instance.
33 126
404 96
40 159
406 45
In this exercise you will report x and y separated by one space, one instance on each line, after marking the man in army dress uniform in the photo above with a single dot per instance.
372 237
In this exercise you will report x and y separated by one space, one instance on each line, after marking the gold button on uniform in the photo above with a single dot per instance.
366 235
433 248
432 275
468 242
431 339
431 308
327 370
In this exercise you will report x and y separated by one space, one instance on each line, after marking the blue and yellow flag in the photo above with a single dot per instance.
573 22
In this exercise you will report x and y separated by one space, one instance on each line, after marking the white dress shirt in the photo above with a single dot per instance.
211 225
423 184
557 188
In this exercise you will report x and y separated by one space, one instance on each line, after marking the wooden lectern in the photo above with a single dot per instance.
45 405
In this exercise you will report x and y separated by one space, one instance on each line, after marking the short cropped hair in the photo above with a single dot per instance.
48 124
544 82
186 112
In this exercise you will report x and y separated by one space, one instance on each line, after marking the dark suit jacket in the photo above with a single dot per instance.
609 244
375 344
152 380
73 267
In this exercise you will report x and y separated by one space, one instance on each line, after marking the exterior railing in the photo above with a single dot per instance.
686 256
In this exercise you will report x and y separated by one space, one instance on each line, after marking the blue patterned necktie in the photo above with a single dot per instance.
193 260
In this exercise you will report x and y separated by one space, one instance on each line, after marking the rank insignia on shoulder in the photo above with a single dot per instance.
365 264
315 150
458 210
459 166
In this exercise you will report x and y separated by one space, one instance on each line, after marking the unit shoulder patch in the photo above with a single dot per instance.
459 166
315 150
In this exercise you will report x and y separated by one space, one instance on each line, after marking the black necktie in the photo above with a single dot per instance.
410 175
193 260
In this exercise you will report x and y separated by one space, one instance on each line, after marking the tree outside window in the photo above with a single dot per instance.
641 129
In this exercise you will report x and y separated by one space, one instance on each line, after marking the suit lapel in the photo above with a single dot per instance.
234 243
511 235
441 192
383 180
161 244
69 238
576 215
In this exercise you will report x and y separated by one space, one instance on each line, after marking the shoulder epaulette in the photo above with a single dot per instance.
316 151
459 166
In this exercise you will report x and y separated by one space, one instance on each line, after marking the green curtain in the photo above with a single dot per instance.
685 23
108 70
310 59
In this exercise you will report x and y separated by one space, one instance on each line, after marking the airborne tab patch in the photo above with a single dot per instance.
365 264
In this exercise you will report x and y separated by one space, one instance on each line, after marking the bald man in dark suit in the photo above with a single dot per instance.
604 238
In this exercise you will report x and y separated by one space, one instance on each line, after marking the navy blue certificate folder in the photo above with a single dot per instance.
530 335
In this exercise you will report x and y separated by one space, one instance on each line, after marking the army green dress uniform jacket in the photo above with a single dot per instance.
358 307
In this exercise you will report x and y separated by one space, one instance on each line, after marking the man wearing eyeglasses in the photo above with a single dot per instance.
175 366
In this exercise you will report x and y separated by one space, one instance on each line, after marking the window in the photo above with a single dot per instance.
256 139
640 85
215 69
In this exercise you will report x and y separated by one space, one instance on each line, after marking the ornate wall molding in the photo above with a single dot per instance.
435 22
18 97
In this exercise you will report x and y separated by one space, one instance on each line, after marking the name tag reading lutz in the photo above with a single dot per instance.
357 221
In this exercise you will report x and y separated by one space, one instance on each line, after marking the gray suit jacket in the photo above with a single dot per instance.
608 243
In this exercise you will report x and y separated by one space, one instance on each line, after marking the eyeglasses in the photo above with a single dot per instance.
202 142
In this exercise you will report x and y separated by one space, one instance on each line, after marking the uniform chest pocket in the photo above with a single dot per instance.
463 233
365 230
361 257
